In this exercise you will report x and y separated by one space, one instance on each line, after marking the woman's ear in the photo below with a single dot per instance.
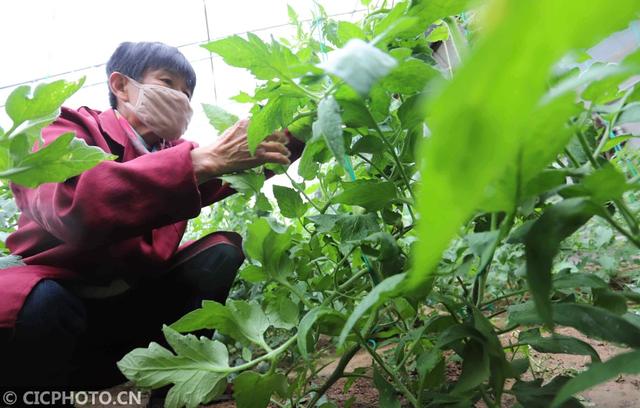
118 85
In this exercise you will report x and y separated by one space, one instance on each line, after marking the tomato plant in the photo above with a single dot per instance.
421 181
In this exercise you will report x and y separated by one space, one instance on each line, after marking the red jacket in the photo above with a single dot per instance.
122 218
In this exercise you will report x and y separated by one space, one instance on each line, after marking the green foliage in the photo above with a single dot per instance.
63 158
435 200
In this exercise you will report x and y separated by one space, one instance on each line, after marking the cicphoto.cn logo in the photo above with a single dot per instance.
56 398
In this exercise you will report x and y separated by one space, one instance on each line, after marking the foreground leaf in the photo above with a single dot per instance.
496 91
63 158
196 370
22 105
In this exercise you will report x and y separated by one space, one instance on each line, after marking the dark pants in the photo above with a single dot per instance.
63 341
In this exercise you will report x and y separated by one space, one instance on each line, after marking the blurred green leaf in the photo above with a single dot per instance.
482 113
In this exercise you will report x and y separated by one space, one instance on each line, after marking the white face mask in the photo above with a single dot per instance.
165 111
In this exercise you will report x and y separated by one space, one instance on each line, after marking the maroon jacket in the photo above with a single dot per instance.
122 218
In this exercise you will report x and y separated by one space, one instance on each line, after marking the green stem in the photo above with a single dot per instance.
299 190
620 229
335 375
613 121
392 150
587 150
572 158
397 381
505 296
302 89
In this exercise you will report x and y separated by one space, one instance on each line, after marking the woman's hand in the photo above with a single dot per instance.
231 153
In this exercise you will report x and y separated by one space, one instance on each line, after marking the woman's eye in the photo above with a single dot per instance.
167 81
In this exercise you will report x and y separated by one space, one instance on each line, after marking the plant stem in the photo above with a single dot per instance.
572 158
619 228
295 186
335 375
505 296
397 381
613 121
392 150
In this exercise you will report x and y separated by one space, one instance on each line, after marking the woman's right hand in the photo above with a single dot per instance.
231 154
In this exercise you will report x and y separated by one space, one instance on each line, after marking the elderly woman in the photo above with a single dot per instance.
103 268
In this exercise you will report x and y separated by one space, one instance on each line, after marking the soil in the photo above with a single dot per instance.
622 392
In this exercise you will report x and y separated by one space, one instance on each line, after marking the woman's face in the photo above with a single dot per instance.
165 78
131 91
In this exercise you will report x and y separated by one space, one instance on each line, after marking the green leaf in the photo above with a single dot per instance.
497 92
382 292
219 118
22 105
532 394
604 184
329 127
289 202
430 11
355 228
388 398
197 369
410 77
475 367
347 31
253 390
245 183
592 321
253 274
282 313
359 64
578 280
627 363
558 344
244 321
63 158
611 143
613 301
256 234
308 167
440 33
370 194
309 321
276 114
542 243
265 61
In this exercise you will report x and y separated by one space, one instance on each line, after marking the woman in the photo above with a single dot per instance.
103 269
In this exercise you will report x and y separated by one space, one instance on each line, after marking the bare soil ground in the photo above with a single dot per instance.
622 392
